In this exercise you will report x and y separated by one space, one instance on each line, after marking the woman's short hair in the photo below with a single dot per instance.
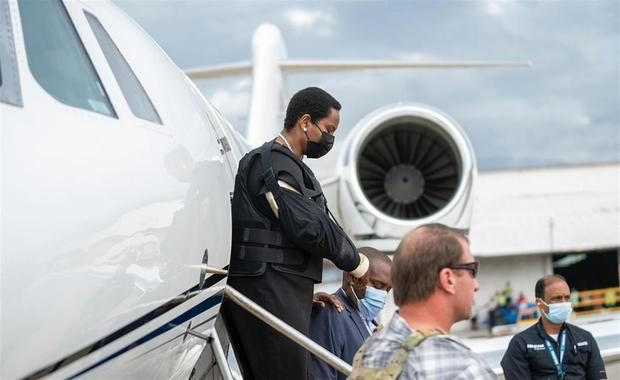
312 101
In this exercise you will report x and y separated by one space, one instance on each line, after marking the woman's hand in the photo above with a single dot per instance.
319 299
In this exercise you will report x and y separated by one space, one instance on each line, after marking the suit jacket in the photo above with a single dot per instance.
340 333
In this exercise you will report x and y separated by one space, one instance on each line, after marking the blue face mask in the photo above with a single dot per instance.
373 302
558 312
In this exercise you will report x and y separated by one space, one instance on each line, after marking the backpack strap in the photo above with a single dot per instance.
271 183
357 358
397 362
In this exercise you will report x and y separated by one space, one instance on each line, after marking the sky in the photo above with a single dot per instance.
563 110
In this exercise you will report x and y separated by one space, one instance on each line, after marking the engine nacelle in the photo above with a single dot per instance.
404 165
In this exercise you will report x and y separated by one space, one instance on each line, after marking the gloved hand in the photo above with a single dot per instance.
362 268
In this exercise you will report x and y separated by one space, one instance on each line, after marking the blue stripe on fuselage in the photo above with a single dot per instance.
189 314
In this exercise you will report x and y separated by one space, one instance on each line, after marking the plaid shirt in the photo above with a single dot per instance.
438 357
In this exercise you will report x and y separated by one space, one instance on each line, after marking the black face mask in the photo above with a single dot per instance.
316 150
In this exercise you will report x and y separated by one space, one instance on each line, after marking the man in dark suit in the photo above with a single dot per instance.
343 322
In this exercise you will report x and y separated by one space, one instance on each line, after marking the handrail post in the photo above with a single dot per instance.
286 330
213 340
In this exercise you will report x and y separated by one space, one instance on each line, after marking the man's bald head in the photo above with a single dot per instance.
420 256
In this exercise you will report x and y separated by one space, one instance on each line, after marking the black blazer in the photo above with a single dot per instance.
340 333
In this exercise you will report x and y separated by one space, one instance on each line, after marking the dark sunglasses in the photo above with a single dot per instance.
474 266
321 129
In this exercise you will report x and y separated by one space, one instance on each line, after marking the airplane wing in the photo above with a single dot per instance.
296 66
290 66
219 71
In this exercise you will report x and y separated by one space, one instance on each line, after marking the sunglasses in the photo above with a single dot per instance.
474 266
321 129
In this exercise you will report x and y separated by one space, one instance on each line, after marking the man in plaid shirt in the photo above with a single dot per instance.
434 279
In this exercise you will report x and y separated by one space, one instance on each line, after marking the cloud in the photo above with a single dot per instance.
563 109
319 21
234 100
583 120
494 7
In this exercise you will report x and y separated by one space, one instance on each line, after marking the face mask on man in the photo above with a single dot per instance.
316 150
558 312
373 302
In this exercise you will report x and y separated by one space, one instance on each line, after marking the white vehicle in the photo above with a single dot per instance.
116 184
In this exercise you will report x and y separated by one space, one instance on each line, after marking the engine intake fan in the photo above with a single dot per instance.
408 169
402 166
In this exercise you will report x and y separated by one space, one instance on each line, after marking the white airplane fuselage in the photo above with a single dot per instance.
106 218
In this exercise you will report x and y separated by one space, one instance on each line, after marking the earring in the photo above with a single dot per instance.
305 129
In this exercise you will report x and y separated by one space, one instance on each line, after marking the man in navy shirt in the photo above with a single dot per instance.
552 348
342 326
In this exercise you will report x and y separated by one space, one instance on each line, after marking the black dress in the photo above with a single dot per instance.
284 288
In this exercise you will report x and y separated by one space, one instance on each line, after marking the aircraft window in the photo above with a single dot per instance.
10 91
57 58
138 100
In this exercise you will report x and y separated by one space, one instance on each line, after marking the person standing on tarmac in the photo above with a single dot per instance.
553 348
282 230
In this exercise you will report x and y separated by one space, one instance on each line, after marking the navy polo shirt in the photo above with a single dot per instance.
527 356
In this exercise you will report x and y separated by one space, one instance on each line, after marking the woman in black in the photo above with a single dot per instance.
282 230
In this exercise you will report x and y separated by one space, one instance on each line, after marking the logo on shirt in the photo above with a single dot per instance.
536 347
584 343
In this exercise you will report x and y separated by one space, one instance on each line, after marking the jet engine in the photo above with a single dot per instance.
404 165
